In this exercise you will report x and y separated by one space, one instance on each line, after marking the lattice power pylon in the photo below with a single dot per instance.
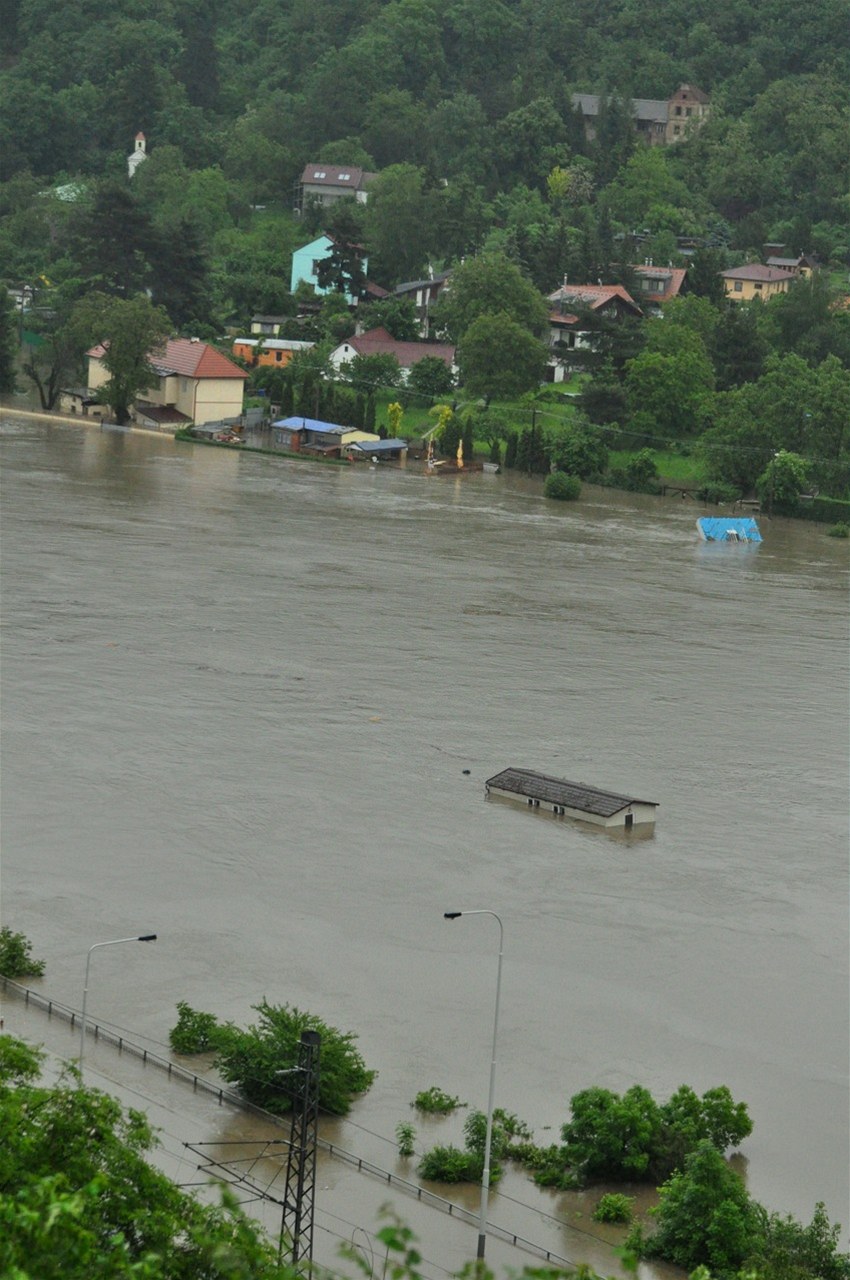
299 1197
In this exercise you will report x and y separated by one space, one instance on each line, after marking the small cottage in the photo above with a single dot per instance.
570 799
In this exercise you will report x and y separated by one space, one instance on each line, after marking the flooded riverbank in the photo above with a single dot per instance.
239 698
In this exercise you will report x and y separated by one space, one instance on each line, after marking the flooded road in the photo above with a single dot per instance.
239 698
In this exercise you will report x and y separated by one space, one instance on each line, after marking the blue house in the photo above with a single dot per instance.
305 264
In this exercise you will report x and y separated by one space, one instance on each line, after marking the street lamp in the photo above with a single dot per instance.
488 1141
145 937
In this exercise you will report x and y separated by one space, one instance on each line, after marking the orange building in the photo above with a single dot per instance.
274 352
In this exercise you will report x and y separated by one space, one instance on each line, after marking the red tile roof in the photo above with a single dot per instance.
594 295
379 342
187 357
673 278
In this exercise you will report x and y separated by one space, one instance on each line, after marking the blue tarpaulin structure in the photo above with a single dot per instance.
728 529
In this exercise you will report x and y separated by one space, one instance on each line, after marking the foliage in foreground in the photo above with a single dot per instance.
706 1220
254 1059
16 959
79 1200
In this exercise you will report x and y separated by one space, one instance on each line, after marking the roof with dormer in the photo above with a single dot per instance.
336 175
594 296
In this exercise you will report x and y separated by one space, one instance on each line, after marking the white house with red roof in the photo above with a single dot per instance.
194 384
568 328
379 342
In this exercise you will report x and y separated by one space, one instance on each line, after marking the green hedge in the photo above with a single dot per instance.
825 510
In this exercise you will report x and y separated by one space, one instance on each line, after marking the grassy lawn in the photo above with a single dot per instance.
674 468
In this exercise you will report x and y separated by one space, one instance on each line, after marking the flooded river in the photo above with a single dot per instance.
250 705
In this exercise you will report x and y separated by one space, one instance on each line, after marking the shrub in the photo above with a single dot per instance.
436 1102
405 1137
840 530
195 1032
450 1164
614 1207
254 1059
562 487
717 492
642 472
16 960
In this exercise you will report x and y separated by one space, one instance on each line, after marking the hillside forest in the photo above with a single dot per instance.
465 110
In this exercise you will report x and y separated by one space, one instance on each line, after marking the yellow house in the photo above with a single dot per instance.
743 284
194 384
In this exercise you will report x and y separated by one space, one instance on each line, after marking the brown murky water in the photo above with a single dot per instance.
239 697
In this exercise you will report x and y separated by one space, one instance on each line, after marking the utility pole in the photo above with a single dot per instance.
299 1196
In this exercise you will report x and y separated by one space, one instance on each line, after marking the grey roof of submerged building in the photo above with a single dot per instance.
573 795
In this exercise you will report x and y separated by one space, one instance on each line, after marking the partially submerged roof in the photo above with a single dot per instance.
573 795
728 529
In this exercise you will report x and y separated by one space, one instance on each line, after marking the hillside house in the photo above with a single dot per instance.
194 383
802 266
327 183
658 285
379 342
305 265
658 122
569 331
423 294
743 284
268 326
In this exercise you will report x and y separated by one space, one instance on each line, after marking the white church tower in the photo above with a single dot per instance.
137 155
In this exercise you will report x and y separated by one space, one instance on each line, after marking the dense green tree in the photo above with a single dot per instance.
580 449
498 357
779 486
704 278
738 347
675 390
430 377
395 314
79 1199
52 363
485 286
400 218
806 320
180 275
368 372
8 341
705 1215
113 240
129 329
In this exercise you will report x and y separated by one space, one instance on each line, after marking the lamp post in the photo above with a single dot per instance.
488 1140
145 937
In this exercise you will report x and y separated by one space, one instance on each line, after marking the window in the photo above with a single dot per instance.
678 111
184 384
757 285
315 267
688 111
278 355
739 286
676 129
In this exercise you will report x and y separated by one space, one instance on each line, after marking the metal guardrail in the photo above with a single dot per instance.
53 1008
